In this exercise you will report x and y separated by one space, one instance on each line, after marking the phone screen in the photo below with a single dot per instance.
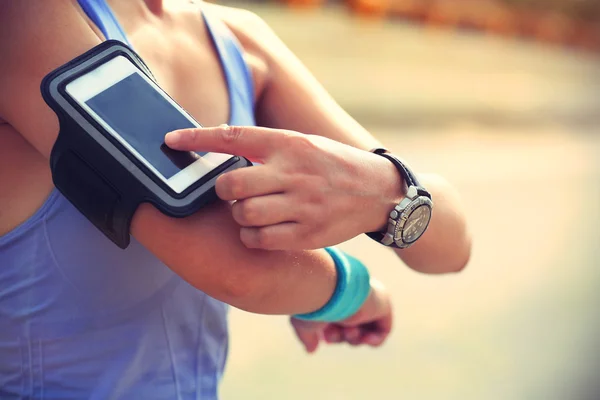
143 117
138 113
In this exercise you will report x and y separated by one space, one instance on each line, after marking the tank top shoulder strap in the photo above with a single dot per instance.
237 72
103 17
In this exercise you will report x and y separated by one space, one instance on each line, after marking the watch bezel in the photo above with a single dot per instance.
405 214
415 197
400 214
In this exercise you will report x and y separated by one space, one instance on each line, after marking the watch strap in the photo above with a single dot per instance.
411 181
93 196
410 178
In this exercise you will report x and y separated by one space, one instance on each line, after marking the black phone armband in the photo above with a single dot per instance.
99 175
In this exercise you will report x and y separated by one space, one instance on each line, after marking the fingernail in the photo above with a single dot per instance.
173 137
223 126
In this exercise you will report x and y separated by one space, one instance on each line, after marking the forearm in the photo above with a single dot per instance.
445 247
206 251
310 110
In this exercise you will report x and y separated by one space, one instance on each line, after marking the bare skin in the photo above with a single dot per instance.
44 35
36 37
312 192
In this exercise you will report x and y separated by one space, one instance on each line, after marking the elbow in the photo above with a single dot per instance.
451 243
446 256
462 257
457 259
452 264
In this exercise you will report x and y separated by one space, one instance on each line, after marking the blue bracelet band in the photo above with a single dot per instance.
351 291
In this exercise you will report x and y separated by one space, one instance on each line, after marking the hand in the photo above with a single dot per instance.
371 325
311 192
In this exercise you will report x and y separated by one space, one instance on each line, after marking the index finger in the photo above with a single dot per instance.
247 141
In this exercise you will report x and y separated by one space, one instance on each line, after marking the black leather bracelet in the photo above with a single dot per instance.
407 174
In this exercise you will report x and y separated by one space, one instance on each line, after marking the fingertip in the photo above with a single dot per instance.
173 138
374 339
352 334
248 237
221 188
311 344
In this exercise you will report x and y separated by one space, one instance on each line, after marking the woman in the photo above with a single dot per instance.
80 318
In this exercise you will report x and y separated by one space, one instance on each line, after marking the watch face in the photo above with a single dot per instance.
416 224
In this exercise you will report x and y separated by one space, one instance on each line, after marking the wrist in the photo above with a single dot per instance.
352 290
391 188
372 303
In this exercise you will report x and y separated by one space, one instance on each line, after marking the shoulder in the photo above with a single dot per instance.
35 38
258 40
252 33
250 27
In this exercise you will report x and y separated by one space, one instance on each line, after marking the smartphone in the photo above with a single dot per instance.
138 114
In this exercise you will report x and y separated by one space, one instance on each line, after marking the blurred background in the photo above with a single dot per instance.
503 99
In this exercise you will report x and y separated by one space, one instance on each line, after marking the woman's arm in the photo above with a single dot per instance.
204 249
292 99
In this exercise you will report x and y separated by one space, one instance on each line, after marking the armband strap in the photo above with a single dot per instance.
351 291
101 176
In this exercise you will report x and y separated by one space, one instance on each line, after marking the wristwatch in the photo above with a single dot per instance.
410 218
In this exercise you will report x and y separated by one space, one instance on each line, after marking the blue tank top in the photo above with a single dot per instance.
83 319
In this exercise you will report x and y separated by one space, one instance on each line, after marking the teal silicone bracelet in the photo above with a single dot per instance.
351 291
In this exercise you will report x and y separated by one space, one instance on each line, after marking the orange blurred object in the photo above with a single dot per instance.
303 3
444 13
554 28
491 16
415 10
587 37
369 8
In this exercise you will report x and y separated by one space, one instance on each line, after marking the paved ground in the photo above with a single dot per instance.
514 126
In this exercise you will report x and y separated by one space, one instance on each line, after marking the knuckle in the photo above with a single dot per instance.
298 181
304 235
308 215
315 191
298 143
231 134
319 198
190 135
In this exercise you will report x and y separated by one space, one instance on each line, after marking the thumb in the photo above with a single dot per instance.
247 141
